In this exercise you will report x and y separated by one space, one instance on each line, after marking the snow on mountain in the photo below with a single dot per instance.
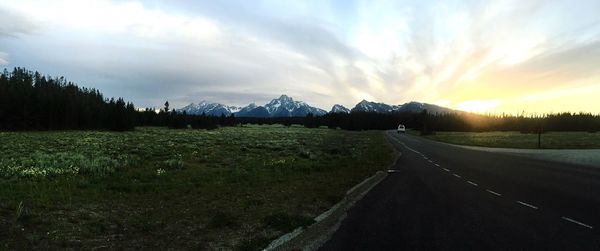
414 107
368 106
248 108
213 109
252 110
339 109
285 106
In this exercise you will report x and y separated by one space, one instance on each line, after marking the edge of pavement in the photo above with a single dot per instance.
327 223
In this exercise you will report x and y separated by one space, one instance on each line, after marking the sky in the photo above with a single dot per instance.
509 56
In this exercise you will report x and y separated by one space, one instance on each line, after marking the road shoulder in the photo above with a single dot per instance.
326 224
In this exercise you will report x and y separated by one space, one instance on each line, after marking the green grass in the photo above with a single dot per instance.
230 188
550 140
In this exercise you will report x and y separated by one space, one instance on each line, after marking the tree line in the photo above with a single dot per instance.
32 101
424 121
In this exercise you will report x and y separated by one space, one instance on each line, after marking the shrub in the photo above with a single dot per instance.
42 165
173 163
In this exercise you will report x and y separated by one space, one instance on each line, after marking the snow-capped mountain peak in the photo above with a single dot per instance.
410 107
283 101
285 106
214 109
339 109
368 106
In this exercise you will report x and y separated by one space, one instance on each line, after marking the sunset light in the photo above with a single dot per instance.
496 56
478 106
315 125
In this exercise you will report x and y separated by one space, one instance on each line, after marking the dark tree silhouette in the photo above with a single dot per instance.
31 101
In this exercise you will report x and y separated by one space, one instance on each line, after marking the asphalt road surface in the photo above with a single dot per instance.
443 197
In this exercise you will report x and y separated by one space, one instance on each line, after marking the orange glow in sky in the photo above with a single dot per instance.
509 56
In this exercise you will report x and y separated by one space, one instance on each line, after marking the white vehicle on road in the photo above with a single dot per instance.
401 129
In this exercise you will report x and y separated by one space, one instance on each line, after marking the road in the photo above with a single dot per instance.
444 197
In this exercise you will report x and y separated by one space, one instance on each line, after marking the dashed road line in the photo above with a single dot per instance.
527 205
492 192
487 190
411 149
577 222
472 183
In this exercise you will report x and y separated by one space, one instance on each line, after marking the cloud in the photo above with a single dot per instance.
238 52
3 58
14 23
456 52
559 66
149 51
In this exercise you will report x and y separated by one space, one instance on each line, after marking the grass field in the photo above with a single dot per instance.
550 140
230 188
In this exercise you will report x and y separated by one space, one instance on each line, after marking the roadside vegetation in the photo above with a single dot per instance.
549 140
155 188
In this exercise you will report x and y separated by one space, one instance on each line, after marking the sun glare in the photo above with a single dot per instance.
478 106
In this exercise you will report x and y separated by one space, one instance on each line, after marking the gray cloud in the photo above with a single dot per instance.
258 53
3 58
14 24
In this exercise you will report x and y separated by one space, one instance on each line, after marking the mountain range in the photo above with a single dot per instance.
285 106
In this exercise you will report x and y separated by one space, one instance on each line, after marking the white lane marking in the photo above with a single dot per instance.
407 147
415 151
472 183
494 193
456 175
577 222
436 164
411 149
527 205
446 169
392 170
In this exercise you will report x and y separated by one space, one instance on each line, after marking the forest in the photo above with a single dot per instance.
31 101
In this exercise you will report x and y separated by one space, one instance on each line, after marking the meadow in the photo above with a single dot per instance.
511 139
154 188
